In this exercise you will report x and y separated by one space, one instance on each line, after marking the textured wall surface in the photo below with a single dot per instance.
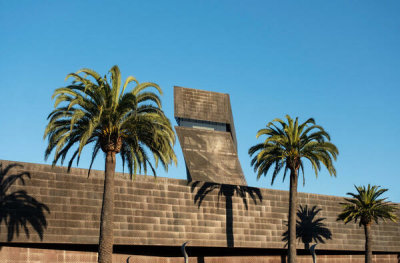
210 156
32 255
169 212
202 105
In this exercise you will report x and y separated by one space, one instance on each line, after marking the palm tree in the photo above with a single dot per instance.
93 111
365 207
286 147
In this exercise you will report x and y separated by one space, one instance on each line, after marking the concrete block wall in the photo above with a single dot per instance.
164 212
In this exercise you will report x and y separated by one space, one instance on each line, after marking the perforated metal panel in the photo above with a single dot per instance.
207 136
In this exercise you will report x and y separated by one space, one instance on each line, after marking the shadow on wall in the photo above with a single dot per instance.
309 228
17 208
228 191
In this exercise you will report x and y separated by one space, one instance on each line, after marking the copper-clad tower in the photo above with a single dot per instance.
207 136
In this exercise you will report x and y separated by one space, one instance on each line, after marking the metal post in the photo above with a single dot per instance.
185 255
314 256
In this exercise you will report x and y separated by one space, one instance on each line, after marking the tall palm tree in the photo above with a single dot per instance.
286 147
366 207
94 110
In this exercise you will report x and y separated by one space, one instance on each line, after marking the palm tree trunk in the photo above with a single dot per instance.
292 216
106 239
368 243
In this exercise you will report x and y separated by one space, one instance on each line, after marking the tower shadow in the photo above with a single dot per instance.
309 228
228 191
18 209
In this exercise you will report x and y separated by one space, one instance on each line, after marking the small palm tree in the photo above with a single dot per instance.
286 147
93 111
366 207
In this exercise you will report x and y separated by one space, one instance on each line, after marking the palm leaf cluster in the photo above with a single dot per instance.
366 206
95 110
288 143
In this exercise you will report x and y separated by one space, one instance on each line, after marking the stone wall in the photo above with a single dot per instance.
168 212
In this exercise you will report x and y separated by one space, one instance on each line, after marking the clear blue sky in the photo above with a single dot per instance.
336 61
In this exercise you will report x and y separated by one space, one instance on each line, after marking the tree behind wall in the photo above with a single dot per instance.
94 110
286 146
366 207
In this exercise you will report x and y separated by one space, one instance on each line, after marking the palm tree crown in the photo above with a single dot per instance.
93 111
288 145
366 207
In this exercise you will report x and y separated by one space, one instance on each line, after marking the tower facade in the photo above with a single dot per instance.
207 136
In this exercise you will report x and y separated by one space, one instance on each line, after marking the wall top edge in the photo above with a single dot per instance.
202 90
98 174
